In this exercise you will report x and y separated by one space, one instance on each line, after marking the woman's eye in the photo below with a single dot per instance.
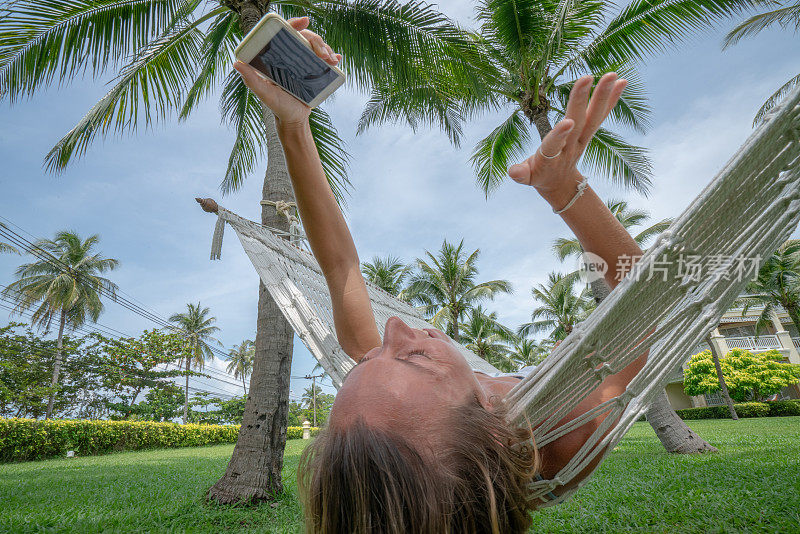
419 353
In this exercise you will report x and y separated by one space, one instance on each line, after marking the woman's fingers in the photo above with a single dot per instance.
554 142
616 93
576 106
320 47
262 88
552 145
598 107
298 23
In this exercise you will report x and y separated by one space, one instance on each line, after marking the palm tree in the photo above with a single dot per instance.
529 54
486 337
170 55
197 326
309 400
560 308
563 247
387 273
787 15
529 352
7 247
64 285
240 361
444 285
777 285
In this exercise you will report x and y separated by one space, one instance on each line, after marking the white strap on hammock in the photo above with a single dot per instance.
744 214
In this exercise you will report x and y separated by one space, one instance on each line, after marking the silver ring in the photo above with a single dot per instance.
546 156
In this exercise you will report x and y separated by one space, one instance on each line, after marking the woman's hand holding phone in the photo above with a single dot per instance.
288 110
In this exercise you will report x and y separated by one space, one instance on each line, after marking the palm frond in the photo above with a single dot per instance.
146 90
620 162
775 99
783 16
505 145
42 41
219 42
646 27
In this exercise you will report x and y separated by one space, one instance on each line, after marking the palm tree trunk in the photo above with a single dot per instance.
254 471
542 123
723 386
244 385
186 392
794 314
56 365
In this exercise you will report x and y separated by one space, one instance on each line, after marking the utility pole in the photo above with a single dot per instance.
313 379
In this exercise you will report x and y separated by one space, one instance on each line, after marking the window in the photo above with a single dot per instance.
714 399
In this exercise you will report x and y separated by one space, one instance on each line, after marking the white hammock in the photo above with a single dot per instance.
746 212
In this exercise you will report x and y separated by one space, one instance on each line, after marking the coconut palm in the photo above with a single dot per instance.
65 285
529 352
196 325
240 361
627 216
7 247
530 53
444 285
387 273
786 15
485 336
776 286
561 307
168 57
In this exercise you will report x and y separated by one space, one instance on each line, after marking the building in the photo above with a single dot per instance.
738 331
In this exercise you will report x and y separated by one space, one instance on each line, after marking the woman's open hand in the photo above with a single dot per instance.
553 164
287 109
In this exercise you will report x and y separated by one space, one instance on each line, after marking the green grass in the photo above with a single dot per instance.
752 485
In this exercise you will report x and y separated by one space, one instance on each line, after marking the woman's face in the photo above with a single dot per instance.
408 383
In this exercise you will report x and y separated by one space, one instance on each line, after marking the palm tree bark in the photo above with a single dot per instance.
723 386
186 391
62 321
254 471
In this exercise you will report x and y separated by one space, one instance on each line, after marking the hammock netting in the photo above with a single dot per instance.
673 296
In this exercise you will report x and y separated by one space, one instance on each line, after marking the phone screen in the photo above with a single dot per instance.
294 66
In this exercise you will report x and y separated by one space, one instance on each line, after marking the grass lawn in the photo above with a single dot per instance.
752 485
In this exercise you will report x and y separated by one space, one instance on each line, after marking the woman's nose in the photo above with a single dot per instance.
397 332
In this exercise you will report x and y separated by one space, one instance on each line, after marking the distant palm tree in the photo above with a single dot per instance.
561 307
444 285
7 247
787 15
197 326
387 273
486 337
65 284
309 400
529 352
530 52
777 284
240 361
627 216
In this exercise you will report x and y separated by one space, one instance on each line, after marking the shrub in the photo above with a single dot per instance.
744 409
32 439
783 408
296 432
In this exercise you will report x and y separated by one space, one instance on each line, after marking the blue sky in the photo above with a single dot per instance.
410 189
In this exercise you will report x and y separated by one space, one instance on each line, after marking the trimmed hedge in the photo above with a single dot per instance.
743 410
296 432
31 439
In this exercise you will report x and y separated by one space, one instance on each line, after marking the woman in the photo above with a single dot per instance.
416 440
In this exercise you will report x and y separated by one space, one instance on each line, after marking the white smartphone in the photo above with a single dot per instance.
281 54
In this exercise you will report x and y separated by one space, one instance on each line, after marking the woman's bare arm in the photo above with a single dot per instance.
598 231
323 222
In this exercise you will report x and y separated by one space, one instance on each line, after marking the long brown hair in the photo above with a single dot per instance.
361 479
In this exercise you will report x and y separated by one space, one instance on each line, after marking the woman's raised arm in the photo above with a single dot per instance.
323 222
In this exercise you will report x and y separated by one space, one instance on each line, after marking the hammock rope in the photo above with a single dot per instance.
744 214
